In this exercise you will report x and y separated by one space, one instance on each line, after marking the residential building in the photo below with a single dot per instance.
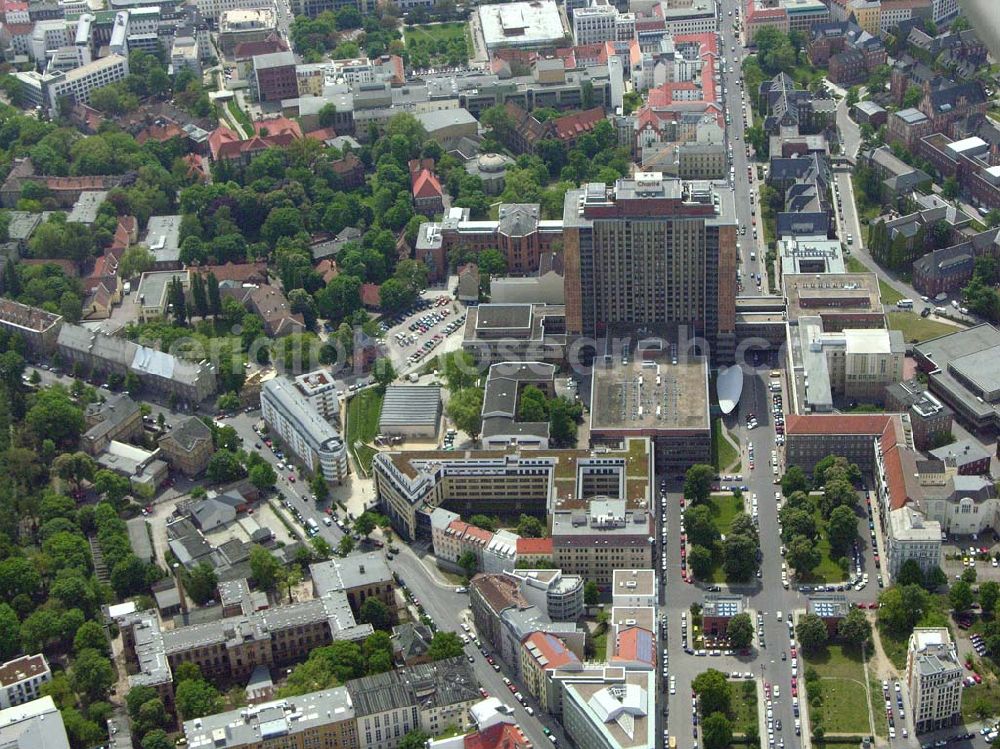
601 536
452 537
534 552
33 725
812 437
961 373
326 718
117 418
929 418
21 680
786 15
36 327
933 679
188 446
320 391
429 697
49 89
616 710
602 22
542 653
620 273
525 132
306 434
410 485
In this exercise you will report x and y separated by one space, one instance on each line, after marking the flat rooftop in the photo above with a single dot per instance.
650 395
525 24
831 293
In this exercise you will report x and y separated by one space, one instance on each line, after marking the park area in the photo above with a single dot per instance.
916 328
744 702
828 570
437 45
724 508
836 676
724 454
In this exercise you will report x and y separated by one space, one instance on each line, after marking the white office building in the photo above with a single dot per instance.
319 390
307 435
211 10
602 23
933 679
912 536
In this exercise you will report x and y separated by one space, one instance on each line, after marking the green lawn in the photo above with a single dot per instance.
362 425
981 700
844 704
856 266
888 293
744 706
437 44
916 328
724 508
724 455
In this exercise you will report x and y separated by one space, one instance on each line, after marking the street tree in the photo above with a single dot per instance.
740 631
716 729
961 596
989 592
700 526
468 562
854 628
739 557
445 645
591 593
698 482
841 529
714 692
811 632
794 480
700 561
802 554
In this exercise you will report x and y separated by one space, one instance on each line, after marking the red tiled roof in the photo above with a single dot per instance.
497 736
159 133
323 134
240 272
426 185
469 531
327 269
534 546
552 652
370 295
574 125
835 423
19 29
196 166
633 644
278 127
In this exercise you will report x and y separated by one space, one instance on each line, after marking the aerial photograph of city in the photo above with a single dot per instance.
463 374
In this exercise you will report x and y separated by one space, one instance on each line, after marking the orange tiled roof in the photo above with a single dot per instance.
835 423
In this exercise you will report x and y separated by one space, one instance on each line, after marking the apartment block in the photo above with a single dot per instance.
933 679
319 389
559 595
188 446
614 709
595 540
652 252
34 725
312 439
36 327
409 485
21 680
542 653
601 23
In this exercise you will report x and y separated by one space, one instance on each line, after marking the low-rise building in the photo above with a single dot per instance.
718 611
968 457
188 446
812 437
117 418
411 411
929 418
832 608
933 679
523 332
634 587
542 653
33 725
21 680
502 427
603 534
325 718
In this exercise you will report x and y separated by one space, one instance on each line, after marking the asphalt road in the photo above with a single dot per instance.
743 186
765 595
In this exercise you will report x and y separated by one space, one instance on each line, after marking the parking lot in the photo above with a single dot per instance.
420 334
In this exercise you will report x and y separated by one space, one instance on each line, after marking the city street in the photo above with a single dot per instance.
743 188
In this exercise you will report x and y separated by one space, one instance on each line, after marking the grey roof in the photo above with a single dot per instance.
869 107
410 405
34 725
503 316
210 514
518 219
85 208
188 432
320 435
167 597
138 536
270 721
442 118
911 115
22 224
353 571
953 353
412 639
963 451
163 237
273 60
117 409
426 686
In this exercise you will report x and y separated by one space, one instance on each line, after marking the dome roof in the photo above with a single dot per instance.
492 162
